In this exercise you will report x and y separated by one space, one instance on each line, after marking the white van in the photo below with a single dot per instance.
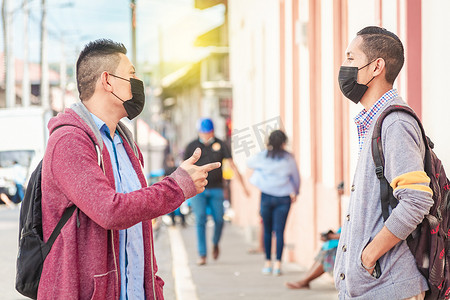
23 135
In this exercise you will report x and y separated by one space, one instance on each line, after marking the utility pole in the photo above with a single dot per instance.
133 32
45 98
62 73
4 41
26 89
133 52
9 57
160 52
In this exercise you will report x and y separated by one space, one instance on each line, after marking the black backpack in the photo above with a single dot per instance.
32 249
430 241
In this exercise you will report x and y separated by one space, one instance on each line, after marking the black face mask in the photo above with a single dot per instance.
348 83
135 105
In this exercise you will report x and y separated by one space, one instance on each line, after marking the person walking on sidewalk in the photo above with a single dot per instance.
373 260
213 150
105 250
276 175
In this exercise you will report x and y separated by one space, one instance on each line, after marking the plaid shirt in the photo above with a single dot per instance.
364 119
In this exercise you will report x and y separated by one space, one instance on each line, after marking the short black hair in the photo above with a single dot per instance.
97 56
381 43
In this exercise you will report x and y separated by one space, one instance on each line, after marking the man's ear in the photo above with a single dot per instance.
380 65
104 79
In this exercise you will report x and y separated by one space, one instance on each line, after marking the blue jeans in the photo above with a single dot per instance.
212 198
274 212
18 197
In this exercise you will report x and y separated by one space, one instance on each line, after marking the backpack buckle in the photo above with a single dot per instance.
379 171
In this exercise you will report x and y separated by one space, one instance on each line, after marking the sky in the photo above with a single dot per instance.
73 23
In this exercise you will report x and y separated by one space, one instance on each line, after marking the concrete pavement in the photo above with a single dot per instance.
235 275
9 228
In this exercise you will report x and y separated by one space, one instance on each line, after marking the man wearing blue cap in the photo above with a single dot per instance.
213 150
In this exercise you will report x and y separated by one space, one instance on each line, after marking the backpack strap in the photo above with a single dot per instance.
386 192
65 217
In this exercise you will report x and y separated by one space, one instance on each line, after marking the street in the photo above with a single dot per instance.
9 228
235 275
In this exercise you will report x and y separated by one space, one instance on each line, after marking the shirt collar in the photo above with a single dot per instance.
212 141
100 124
364 118
103 128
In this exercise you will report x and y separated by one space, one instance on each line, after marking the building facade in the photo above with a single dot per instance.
284 62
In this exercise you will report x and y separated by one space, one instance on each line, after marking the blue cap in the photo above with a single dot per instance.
205 125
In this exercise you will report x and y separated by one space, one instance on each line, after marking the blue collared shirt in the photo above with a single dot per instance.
364 119
131 253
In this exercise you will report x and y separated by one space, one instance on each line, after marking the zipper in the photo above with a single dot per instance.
101 163
115 261
151 263
151 245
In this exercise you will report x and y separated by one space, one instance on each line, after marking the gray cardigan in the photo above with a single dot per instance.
404 151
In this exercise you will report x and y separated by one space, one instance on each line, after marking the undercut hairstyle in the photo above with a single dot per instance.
97 57
381 43
275 145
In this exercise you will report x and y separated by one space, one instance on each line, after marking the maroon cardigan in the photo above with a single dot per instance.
84 260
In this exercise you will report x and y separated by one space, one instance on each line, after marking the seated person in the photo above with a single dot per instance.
5 199
324 261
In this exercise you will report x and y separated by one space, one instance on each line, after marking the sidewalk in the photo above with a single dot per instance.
235 275
9 228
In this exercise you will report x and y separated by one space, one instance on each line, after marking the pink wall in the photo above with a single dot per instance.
319 207
413 53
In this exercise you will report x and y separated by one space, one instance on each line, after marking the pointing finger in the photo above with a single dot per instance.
210 167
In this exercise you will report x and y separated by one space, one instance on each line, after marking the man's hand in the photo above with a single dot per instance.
382 243
367 264
198 174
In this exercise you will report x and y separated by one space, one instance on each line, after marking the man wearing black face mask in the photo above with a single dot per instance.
105 250
135 105
373 260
